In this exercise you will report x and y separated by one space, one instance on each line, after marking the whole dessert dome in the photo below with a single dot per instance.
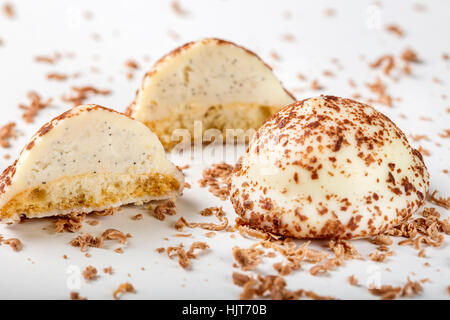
328 167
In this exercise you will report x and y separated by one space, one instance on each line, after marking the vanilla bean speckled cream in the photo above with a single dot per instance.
87 159
213 81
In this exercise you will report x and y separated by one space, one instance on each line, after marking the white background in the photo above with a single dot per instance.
136 30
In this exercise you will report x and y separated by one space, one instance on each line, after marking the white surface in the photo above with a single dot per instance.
139 28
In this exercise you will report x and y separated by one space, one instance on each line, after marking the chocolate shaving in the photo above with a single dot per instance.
80 94
14 243
442 202
35 106
7 132
90 273
218 179
123 288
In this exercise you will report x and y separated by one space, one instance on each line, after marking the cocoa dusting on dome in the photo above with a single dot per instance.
321 140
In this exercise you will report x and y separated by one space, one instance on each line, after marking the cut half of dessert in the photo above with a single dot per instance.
215 82
89 158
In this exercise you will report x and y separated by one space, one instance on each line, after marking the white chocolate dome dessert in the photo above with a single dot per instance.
328 167
87 159
215 82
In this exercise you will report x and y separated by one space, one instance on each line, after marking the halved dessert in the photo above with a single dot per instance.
217 82
87 159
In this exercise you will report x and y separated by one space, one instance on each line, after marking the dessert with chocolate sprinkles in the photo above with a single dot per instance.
329 167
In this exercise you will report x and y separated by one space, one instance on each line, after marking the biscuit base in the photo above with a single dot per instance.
87 193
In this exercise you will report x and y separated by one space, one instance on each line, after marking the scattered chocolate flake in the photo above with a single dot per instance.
422 253
177 9
80 94
218 179
352 280
132 64
344 249
275 56
314 296
382 240
173 35
442 202
386 292
379 88
282 269
395 29
288 37
166 208
90 273
76 296
196 245
424 151
183 256
48 59
329 12
428 229
8 10
328 73
210 234
301 76
419 7
160 250
248 259
35 106
57 76
389 63
218 211
446 134
240 279
328 265
270 286
418 137
315 85
69 223
123 288
14 243
7 132
137 217
86 240
186 166
409 55
245 231
108 270
113 234
380 257
183 235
